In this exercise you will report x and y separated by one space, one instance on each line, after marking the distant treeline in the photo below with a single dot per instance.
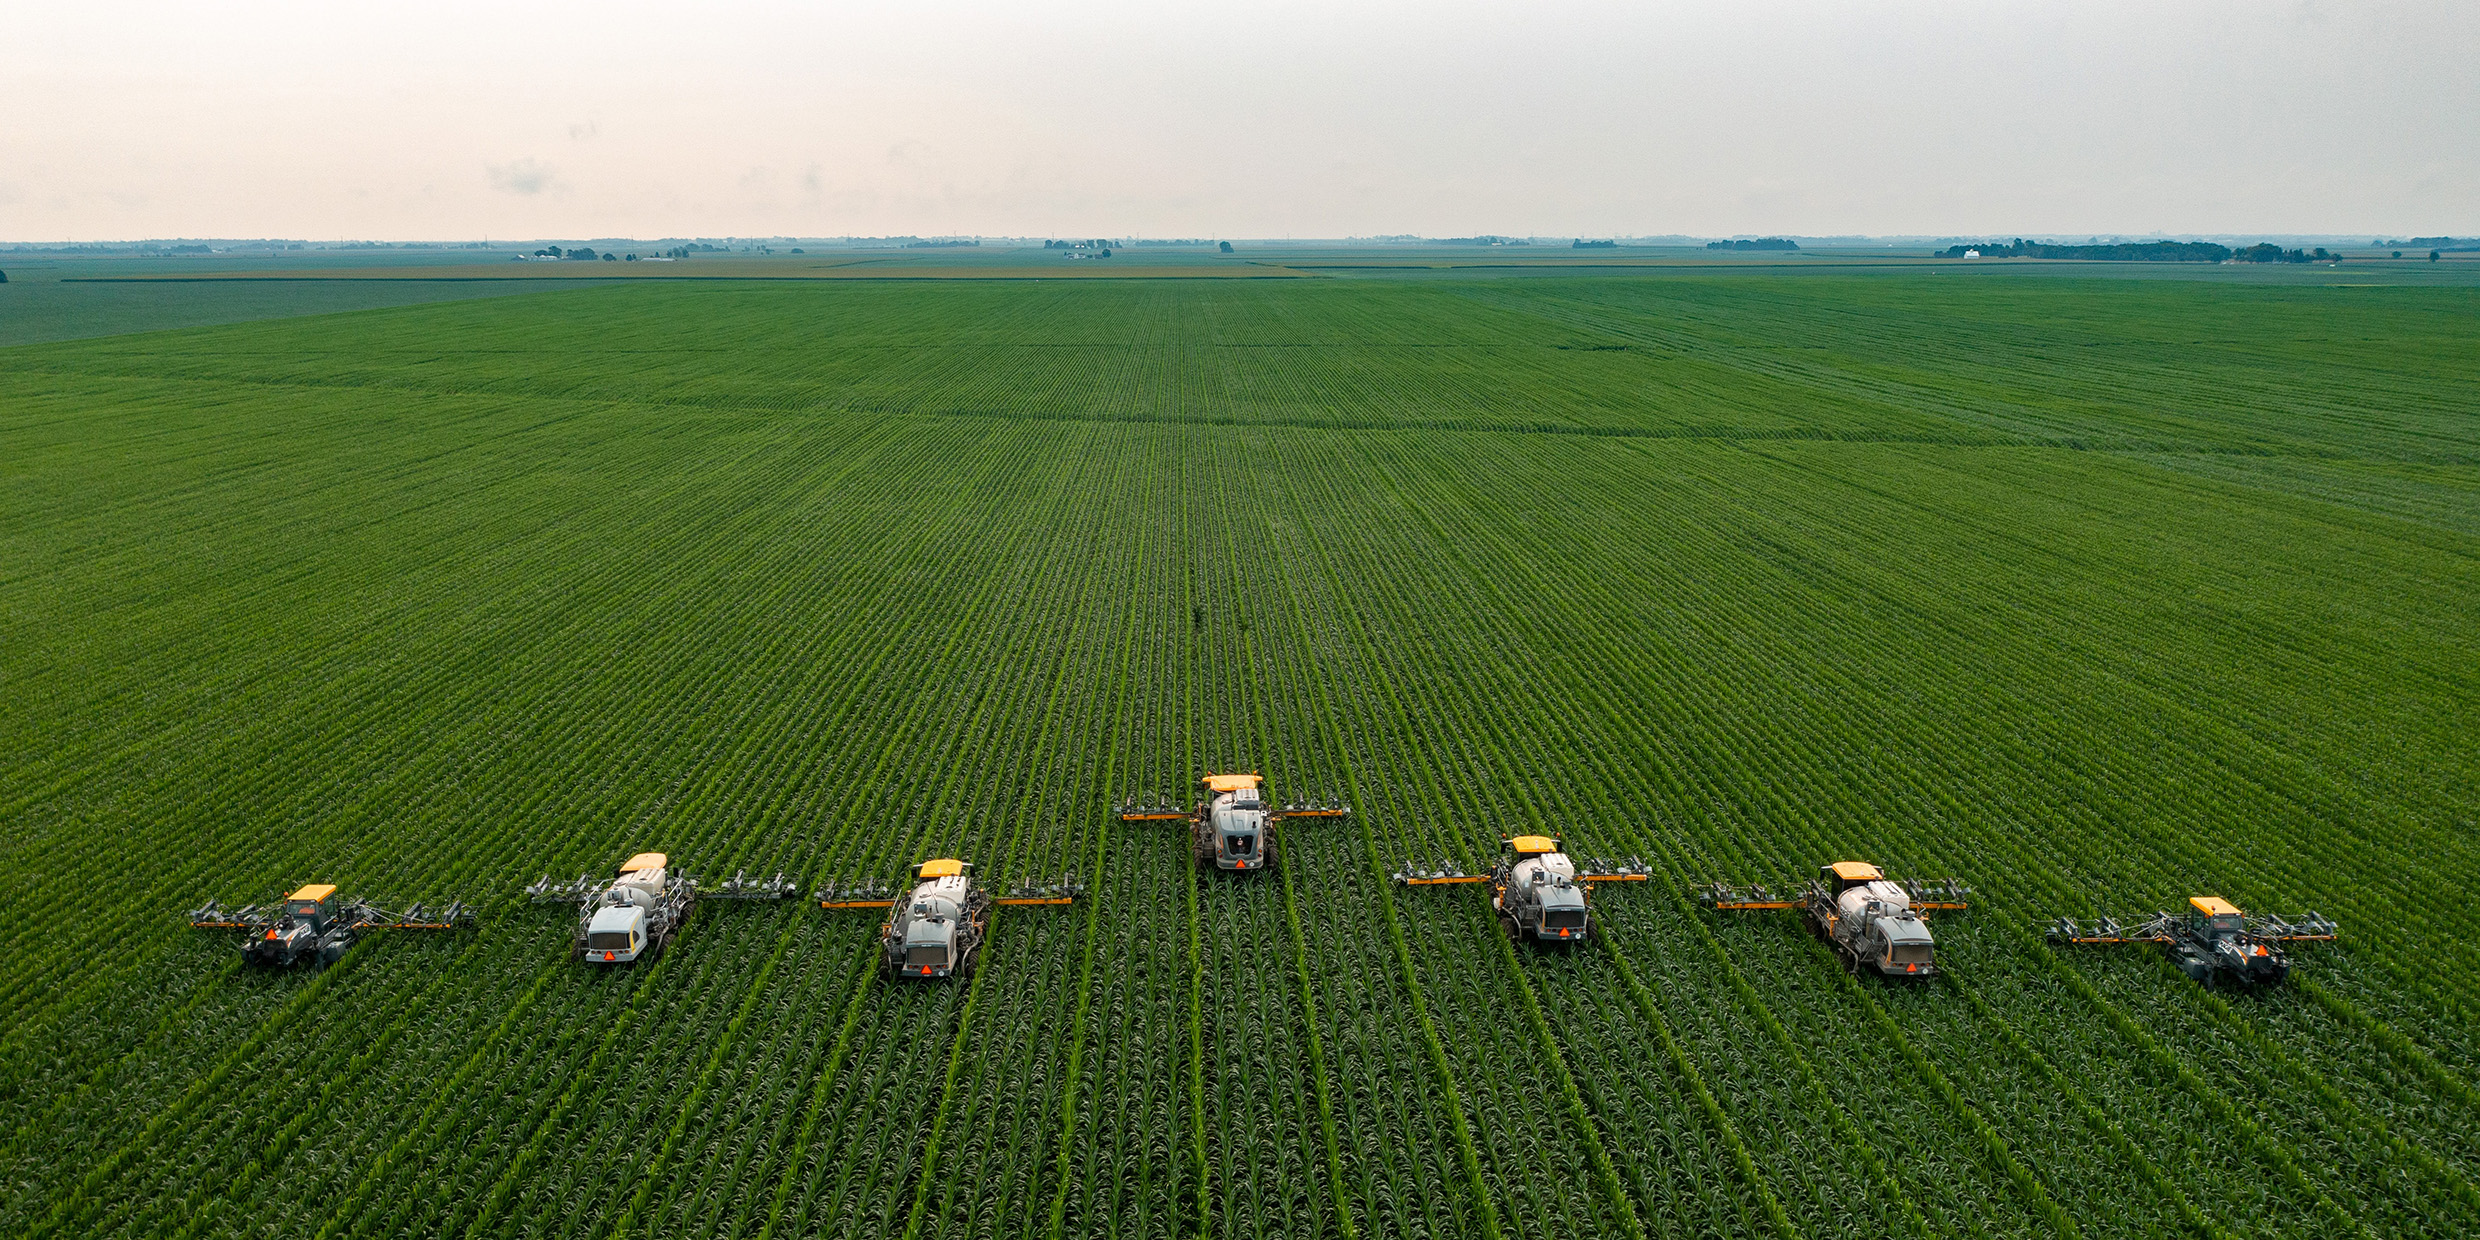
2267 252
1761 243
2130 252
1583 244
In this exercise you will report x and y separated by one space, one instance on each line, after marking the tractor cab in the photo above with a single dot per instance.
1236 821
925 930
1869 917
1842 876
619 927
2216 918
310 927
1538 893
1908 947
2217 945
928 944
1562 909
616 934
313 906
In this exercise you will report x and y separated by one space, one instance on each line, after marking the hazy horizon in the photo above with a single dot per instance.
757 119
1003 241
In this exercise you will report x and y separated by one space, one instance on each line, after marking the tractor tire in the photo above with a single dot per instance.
330 953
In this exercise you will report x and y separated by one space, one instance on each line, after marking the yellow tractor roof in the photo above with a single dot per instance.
1856 872
944 867
314 892
1233 783
2213 906
644 861
1528 845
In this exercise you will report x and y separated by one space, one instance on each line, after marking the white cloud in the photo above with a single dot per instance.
526 176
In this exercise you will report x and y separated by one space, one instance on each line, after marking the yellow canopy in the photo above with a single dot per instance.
314 893
644 861
1233 783
944 867
1856 872
1531 844
2212 906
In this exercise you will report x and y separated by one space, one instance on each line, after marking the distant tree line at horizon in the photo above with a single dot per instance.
2267 252
2129 252
1761 243
2140 252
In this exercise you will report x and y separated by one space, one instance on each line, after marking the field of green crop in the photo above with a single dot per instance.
2096 593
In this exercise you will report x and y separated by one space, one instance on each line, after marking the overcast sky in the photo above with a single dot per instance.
453 119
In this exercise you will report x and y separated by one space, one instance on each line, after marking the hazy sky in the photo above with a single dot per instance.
520 119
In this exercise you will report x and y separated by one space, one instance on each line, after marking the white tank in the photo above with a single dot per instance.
1541 866
1890 897
944 897
648 881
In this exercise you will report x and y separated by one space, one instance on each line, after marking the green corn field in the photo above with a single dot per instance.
2095 593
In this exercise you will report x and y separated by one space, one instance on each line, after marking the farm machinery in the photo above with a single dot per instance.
936 929
1871 921
314 924
1234 827
636 912
1538 892
2213 942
